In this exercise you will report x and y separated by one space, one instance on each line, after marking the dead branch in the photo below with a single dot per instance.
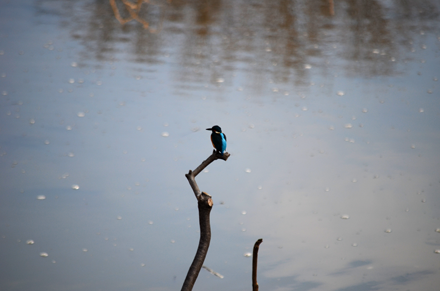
254 264
205 204
192 174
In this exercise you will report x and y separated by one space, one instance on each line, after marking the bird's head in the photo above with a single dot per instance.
215 128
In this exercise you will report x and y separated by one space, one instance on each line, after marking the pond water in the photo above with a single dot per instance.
332 114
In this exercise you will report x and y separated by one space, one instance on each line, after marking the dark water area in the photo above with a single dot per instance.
331 110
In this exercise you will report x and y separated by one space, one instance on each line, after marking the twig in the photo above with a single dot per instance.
254 264
192 174
205 204
213 272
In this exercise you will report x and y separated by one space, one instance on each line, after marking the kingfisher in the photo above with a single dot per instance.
218 139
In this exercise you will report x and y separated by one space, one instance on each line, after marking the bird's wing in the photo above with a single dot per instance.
225 137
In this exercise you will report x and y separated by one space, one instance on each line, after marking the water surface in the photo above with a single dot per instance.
331 113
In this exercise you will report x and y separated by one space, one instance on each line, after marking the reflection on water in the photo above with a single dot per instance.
331 110
279 40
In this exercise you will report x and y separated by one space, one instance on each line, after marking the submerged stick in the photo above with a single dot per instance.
254 264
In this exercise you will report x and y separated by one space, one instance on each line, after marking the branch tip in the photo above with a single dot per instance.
224 157
254 264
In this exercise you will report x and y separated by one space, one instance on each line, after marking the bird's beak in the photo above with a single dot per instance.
209 129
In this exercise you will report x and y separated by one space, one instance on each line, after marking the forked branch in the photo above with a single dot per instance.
205 204
191 176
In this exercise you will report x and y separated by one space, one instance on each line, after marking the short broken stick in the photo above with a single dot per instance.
254 264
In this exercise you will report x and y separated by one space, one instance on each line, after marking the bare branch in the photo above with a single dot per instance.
192 182
215 155
254 264
205 204
192 174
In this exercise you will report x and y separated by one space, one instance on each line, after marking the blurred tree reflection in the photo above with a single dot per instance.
272 39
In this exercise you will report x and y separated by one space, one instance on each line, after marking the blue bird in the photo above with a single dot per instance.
218 139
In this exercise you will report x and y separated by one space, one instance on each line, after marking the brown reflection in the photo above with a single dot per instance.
133 9
267 40
331 7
